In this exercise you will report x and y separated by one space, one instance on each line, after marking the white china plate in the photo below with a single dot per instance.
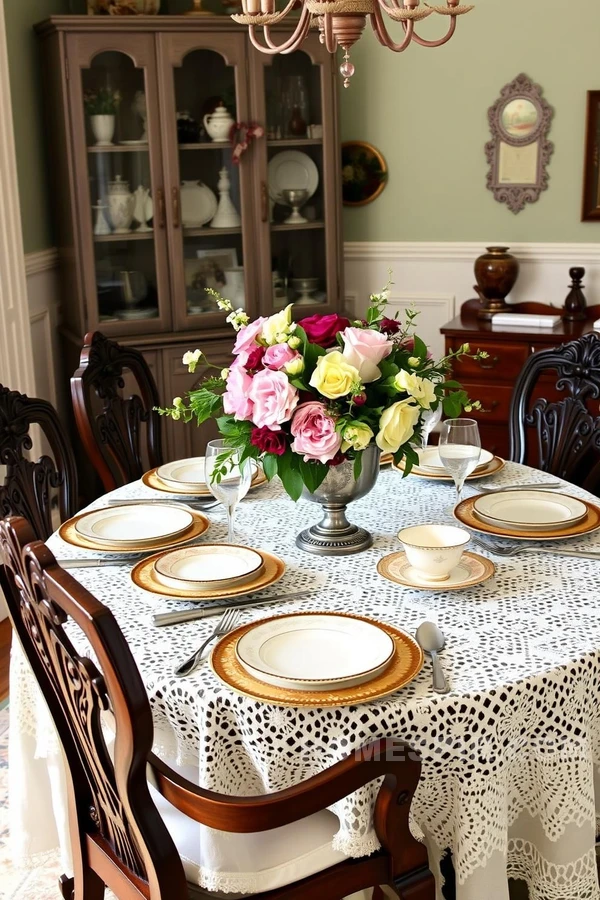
210 566
315 652
198 205
472 570
134 143
292 169
529 510
137 524
429 460
184 473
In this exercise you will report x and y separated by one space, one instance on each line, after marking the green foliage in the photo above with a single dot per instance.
205 404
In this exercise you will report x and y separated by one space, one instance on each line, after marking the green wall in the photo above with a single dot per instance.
426 110
29 124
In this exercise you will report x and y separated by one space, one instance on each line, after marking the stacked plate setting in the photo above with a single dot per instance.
136 527
315 652
203 568
529 511
431 466
188 476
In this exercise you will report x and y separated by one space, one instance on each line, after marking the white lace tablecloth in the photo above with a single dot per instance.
509 756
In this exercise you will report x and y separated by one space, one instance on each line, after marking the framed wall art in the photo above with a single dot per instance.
590 211
519 151
364 173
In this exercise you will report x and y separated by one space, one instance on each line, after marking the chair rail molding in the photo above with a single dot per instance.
435 269
16 354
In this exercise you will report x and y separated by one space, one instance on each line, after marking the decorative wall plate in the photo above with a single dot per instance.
292 170
364 173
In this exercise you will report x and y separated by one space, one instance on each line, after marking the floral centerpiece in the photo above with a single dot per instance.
302 397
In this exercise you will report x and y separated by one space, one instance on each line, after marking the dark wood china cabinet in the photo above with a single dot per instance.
136 196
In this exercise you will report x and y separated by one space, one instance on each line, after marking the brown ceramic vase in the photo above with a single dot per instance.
496 272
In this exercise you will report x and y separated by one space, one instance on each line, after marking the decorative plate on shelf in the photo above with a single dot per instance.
364 173
292 170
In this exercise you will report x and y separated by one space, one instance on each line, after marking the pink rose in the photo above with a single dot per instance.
274 399
235 399
364 349
277 356
246 339
314 432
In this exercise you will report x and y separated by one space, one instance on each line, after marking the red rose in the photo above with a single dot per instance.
255 358
268 441
338 459
322 330
389 326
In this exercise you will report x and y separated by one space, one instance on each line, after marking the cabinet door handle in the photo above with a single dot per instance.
264 202
176 207
160 202
491 364
494 404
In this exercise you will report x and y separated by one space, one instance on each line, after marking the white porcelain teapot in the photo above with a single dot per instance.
218 124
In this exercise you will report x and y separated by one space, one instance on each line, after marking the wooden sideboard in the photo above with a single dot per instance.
492 380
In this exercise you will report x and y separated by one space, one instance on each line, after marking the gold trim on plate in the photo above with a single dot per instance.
494 466
466 514
485 570
69 533
406 664
151 480
143 576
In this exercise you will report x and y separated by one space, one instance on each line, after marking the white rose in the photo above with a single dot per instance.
278 326
397 425
191 359
421 389
295 366
357 435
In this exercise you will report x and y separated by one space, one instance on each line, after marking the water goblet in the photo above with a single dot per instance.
227 478
459 449
296 198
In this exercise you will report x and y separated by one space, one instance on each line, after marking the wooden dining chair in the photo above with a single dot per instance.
566 430
120 430
30 486
119 838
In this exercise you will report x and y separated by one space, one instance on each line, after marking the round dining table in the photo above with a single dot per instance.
509 755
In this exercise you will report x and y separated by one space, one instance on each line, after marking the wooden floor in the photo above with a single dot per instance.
4 657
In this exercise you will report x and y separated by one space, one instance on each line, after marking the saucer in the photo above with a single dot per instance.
472 569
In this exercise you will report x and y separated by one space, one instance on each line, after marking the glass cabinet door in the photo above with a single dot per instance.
209 195
294 94
118 173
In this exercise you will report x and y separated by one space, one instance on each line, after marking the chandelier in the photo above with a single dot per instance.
341 23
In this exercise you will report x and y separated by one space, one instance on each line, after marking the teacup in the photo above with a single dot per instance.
434 550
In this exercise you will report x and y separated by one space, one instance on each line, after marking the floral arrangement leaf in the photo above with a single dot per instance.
303 396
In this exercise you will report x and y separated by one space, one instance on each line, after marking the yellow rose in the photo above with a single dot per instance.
397 425
277 328
295 367
357 435
333 376
421 389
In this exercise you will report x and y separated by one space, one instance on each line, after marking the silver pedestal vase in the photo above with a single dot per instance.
334 535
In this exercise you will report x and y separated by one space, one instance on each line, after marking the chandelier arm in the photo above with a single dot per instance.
444 40
381 33
330 41
266 30
292 43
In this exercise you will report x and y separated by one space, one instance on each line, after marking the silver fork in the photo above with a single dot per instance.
516 549
227 623
539 486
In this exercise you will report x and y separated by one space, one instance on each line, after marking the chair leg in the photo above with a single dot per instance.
90 888
67 887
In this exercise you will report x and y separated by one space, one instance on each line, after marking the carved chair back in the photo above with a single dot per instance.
566 431
120 433
85 669
29 486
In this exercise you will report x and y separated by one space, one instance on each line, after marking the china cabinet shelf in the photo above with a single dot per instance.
131 236
306 226
207 145
190 231
120 148
296 142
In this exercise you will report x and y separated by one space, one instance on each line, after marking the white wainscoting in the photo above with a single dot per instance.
438 277
43 294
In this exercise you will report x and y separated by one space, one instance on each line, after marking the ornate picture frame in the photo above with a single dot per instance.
364 173
590 208
519 151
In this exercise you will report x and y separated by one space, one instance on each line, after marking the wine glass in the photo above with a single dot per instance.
228 479
459 449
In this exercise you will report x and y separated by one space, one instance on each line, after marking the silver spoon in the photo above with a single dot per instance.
431 640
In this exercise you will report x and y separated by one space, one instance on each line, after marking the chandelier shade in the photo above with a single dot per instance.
342 22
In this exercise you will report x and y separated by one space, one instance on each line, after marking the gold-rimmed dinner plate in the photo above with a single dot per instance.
465 513
386 459
492 468
529 510
151 480
472 570
203 567
134 524
68 532
144 576
431 461
404 667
